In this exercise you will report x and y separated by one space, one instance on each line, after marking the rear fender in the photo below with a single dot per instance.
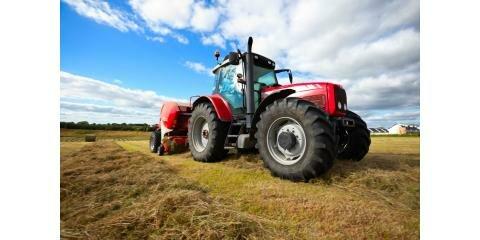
222 108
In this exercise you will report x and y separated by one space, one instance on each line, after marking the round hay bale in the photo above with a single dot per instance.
90 138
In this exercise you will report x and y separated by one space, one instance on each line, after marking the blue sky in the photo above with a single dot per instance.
121 59
102 52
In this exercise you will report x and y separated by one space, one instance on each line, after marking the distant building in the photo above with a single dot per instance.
404 129
378 131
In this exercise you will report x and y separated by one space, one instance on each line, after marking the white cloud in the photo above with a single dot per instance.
337 39
81 95
180 38
172 13
204 18
391 53
156 39
372 46
214 39
86 108
101 12
118 82
389 118
384 92
198 67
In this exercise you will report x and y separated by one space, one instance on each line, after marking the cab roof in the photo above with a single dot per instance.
233 58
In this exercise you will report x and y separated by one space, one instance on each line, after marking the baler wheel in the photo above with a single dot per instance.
295 140
155 137
206 134
355 142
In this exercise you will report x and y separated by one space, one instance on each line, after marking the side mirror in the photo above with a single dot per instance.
240 78
290 77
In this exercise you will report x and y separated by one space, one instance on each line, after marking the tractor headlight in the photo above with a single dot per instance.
345 106
339 105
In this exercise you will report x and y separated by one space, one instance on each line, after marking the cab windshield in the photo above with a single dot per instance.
265 76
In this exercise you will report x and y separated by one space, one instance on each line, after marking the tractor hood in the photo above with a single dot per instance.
330 97
299 87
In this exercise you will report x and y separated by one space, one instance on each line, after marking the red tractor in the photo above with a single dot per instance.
299 129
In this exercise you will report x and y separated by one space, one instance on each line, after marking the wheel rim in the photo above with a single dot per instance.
292 154
200 134
152 143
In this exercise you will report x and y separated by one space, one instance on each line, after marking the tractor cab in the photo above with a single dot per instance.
230 82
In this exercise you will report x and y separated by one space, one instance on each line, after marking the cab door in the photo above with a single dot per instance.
228 87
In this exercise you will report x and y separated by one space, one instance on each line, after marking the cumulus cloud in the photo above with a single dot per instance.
88 108
175 14
103 13
391 53
337 39
372 46
156 39
198 67
80 87
389 118
81 96
214 39
204 19
384 92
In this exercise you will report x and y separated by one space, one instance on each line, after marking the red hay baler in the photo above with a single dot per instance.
299 129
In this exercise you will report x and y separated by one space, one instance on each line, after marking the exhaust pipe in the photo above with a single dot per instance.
249 94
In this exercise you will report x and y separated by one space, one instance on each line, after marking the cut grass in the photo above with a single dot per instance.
375 198
75 135
110 193
69 147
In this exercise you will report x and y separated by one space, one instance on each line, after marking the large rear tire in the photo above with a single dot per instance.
295 140
354 141
206 134
154 144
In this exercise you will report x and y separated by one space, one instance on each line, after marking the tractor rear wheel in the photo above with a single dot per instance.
206 134
295 140
354 141
155 141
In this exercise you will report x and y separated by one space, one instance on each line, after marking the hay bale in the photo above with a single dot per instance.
90 138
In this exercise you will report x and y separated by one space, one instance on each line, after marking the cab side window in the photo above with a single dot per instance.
228 86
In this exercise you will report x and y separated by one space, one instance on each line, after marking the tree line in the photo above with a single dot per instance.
107 126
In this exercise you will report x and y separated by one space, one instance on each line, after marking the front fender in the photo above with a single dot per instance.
269 100
221 106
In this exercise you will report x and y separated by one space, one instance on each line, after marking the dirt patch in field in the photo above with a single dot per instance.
110 193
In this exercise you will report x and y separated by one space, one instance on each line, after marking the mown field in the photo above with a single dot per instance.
117 189
78 135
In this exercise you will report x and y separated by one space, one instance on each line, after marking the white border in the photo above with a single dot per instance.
450 143
29 103
29 107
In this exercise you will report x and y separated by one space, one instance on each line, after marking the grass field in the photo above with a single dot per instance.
76 135
117 189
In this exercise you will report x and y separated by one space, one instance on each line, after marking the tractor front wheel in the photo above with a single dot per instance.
295 140
354 141
206 134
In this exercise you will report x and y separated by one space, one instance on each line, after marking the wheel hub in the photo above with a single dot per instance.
200 134
205 133
287 140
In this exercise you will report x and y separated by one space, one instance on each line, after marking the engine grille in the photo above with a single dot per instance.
340 96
